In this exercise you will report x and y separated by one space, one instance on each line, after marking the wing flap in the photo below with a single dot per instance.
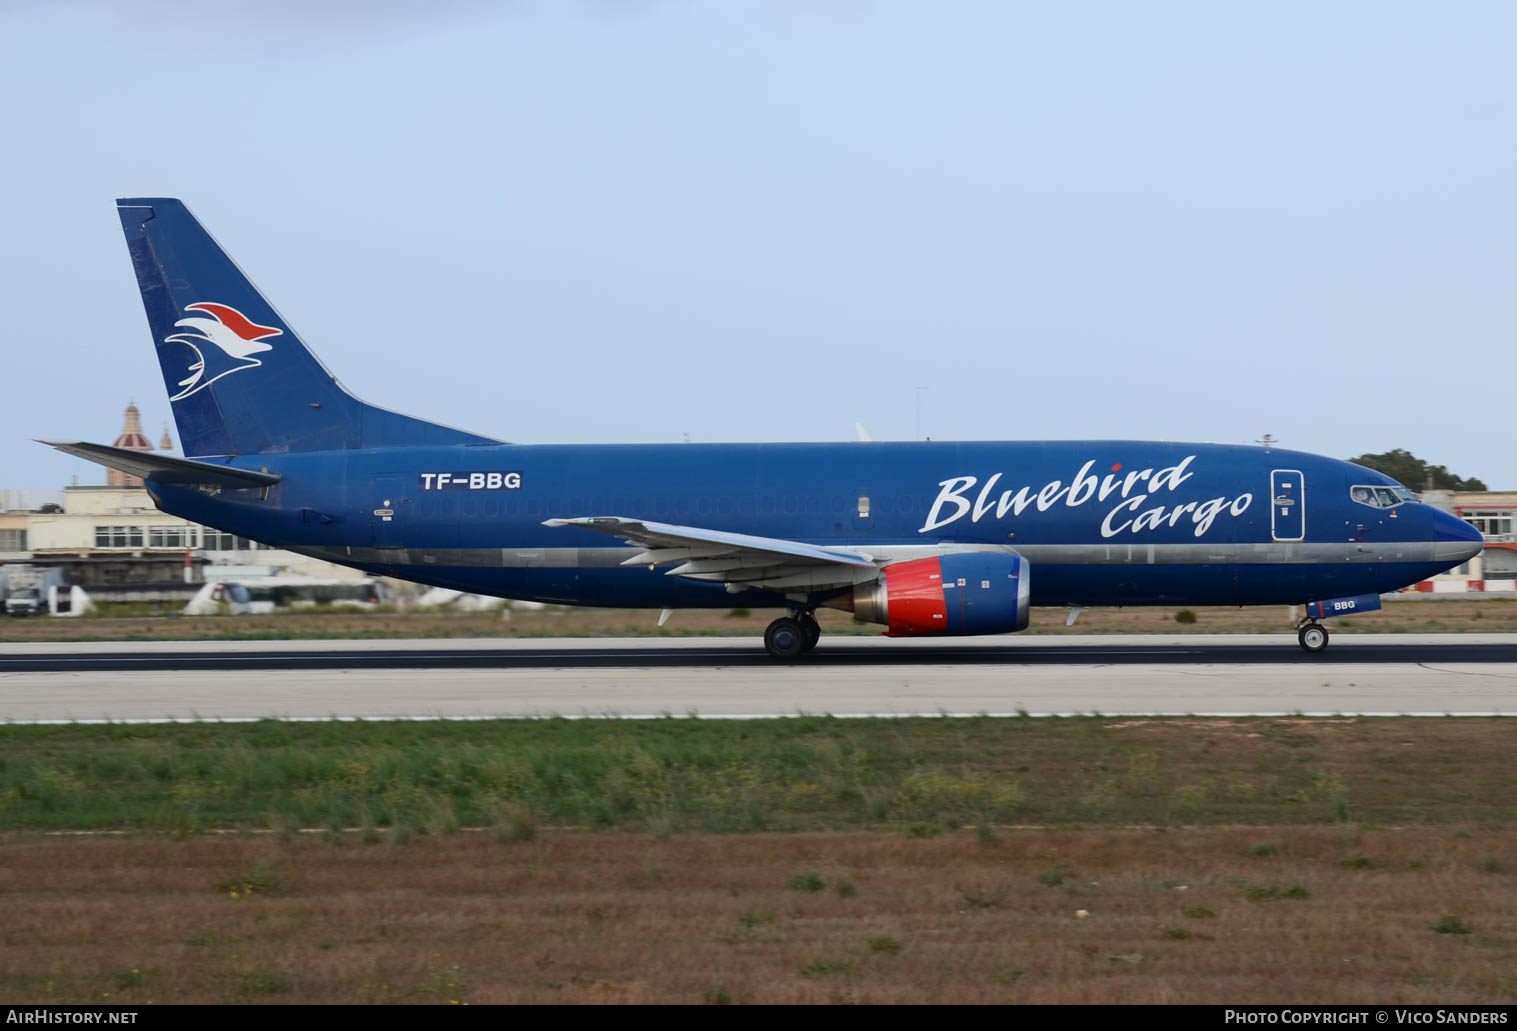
718 556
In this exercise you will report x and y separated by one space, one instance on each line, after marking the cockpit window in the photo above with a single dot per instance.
1381 497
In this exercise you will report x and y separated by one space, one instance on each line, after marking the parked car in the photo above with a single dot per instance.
25 601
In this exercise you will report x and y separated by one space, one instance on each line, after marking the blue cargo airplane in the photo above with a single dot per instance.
924 538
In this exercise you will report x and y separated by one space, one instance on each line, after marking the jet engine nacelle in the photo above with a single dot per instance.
959 594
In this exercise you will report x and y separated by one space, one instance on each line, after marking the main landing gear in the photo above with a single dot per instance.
1313 637
790 637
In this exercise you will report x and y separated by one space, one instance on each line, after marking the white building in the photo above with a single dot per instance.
1493 513
114 542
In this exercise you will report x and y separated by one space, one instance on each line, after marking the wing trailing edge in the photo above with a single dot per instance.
736 559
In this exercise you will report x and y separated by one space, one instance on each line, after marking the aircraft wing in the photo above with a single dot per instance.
736 559
165 468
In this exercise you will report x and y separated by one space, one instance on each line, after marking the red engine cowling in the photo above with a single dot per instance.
953 595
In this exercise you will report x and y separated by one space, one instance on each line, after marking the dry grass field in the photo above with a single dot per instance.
1485 615
808 860
1286 915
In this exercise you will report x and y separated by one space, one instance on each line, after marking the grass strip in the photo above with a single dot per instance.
920 776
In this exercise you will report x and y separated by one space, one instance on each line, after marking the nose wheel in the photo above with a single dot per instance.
1313 638
792 636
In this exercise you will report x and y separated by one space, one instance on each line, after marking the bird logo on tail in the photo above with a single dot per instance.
237 339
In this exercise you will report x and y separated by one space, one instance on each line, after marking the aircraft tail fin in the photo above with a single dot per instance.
239 378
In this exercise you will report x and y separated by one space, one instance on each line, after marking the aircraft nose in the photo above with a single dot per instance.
1455 540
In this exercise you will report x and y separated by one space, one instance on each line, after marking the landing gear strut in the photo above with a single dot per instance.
812 628
1313 638
792 636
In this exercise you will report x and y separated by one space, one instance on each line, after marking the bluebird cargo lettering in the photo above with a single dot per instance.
1086 487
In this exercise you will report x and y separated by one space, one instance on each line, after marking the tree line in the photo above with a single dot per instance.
1404 467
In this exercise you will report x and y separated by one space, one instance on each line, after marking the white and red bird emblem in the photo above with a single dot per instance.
236 337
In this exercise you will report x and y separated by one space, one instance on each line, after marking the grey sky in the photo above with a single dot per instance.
601 221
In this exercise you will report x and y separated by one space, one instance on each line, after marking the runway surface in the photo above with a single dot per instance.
732 677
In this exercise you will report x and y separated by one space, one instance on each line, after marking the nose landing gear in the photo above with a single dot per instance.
790 637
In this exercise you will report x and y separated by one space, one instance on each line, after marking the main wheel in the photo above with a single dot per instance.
1313 638
812 629
785 638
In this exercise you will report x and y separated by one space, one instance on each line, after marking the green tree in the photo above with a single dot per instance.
1404 467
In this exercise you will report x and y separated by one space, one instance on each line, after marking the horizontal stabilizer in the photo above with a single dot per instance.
164 468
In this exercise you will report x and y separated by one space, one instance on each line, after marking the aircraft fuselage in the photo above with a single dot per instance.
1099 522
